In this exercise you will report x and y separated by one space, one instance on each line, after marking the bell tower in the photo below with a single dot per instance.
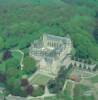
45 41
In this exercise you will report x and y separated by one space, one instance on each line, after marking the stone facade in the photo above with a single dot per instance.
50 50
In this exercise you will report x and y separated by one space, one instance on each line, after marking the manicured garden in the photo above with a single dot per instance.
40 79
68 88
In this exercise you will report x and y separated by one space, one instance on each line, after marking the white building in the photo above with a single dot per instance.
50 51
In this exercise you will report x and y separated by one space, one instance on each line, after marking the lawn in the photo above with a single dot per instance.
17 55
80 93
69 87
94 79
68 91
40 79
51 98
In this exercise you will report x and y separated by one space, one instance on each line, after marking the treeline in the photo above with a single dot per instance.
34 17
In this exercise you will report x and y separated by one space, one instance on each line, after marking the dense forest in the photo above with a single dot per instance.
23 21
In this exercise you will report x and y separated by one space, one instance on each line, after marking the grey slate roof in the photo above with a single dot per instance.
55 38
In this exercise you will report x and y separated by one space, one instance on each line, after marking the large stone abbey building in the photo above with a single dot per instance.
50 51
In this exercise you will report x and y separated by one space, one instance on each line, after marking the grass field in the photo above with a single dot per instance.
40 79
51 98
94 79
17 55
69 87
